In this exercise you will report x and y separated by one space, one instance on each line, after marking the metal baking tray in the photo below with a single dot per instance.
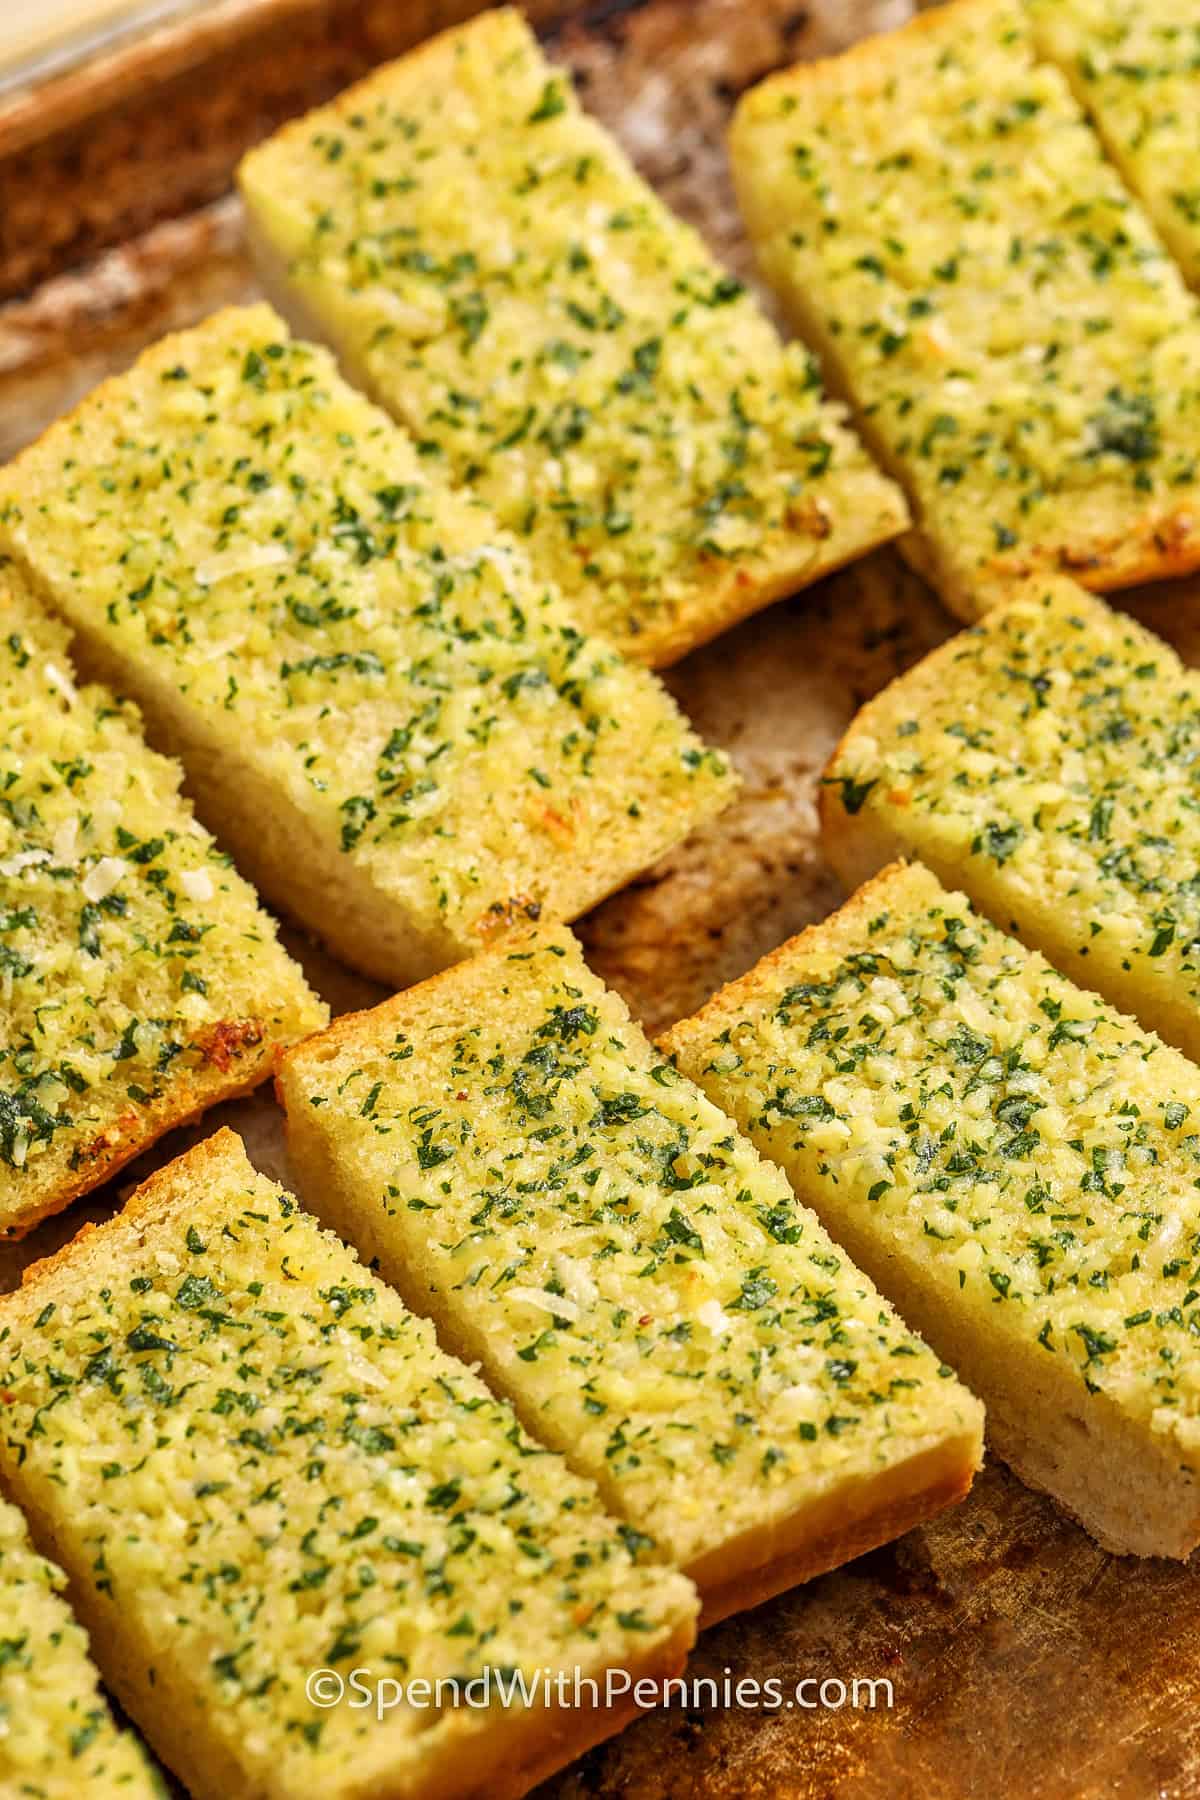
1022 1659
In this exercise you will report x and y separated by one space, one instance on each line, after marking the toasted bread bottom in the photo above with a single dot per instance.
840 1526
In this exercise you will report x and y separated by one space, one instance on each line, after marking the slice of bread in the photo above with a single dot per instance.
1045 762
516 1156
399 732
256 1465
58 1740
489 265
1022 353
1135 67
1015 1164
140 981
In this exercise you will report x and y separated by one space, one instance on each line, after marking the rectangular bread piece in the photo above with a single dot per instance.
140 981
1046 762
58 1739
397 729
627 1270
1021 352
1135 67
490 266
256 1465
1016 1165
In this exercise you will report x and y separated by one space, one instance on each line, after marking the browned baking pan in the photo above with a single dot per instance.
1021 1659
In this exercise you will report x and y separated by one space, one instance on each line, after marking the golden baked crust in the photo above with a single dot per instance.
1021 353
141 980
255 1464
521 1162
1044 762
486 260
1011 1160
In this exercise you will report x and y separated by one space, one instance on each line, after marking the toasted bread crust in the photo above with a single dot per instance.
698 596
518 1747
514 1772
160 1196
185 1102
868 61
1106 1455
735 1562
1098 525
910 1497
843 926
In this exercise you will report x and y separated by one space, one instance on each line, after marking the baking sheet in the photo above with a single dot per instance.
1023 1659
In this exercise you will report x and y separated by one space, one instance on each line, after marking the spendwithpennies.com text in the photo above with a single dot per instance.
570 1689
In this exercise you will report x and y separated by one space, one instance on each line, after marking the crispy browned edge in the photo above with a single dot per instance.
739 594
881 1508
396 1005
194 1162
221 1044
186 1101
735 594
1159 546
537 1753
890 1518
552 1749
876 47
